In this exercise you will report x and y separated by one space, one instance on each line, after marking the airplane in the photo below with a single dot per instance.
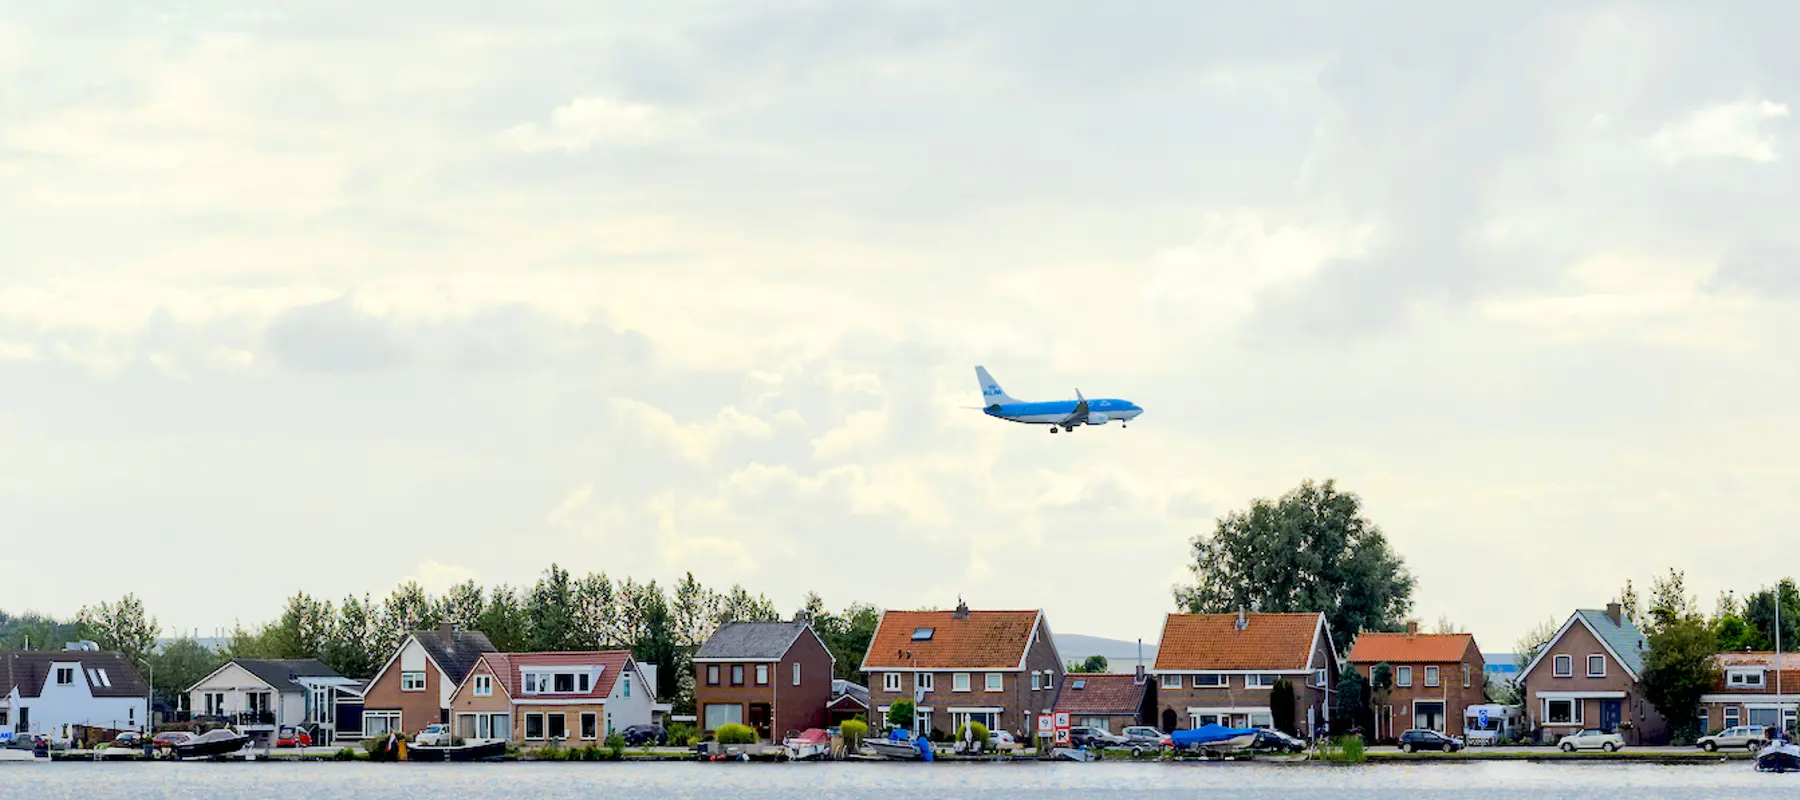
1060 415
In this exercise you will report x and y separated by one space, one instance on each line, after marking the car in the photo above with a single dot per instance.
1002 740
128 739
1417 739
1749 737
646 734
1142 738
293 737
1085 736
1591 739
436 733
168 739
1271 739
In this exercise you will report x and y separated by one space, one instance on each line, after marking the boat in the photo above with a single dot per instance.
1212 738
1780 755
1071 754
25 751
216 742
901 746
810 744
477 750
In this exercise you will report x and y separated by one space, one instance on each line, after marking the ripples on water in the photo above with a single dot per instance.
887 781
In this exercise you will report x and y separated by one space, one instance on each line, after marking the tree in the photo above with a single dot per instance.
1629 604
35 631
900 714
548 613
352 647
1381 681
739 606
1669 601
1680 667
1281 706
1093 664
656 642
1444 625
1759 612
462 605
303 631
503 620
1534 642
1352 700
181 664
408 608
121 626
1312 550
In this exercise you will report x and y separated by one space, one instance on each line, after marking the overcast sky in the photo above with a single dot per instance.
327 295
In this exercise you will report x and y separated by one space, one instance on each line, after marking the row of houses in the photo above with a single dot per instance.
997 667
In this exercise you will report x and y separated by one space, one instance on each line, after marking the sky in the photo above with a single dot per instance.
326 296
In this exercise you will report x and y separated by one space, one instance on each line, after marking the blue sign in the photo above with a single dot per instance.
1482 716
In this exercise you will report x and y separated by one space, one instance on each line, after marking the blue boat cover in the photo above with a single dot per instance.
1207 734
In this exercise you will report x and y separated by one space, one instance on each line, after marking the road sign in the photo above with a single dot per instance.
1482 716
1062 735
1062 719
1046 725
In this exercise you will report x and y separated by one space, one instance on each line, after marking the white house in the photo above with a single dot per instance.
51 692
261 695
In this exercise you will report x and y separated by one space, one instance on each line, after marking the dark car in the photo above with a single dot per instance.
646 734
1271 739
1419 739
1084 736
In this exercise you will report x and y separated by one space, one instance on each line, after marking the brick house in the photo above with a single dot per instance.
1110 702
775 677
1750 692
412 690
1436 677
1219 668
575 699
1587 676
999 668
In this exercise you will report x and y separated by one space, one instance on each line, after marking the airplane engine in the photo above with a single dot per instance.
1097 419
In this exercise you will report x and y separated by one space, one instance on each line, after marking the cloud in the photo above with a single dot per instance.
585 122
1727 130
333 336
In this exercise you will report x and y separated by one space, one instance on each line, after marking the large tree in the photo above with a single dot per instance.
1759 612
1681 664
121 626
1352 700
1311 550
181 664
353 648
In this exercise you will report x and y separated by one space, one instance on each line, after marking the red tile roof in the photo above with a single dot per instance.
1100 694
507 667
985 640
1213 642
1400 648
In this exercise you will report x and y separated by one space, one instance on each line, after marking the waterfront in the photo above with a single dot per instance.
837 781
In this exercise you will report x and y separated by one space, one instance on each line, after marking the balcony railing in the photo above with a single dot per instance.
240 718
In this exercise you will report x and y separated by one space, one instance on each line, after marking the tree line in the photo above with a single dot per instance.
560 611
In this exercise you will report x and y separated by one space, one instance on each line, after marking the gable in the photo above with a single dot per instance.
1578 639
230 676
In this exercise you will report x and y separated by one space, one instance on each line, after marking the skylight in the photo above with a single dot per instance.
1079 684
922 634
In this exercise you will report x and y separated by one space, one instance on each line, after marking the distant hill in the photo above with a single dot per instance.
1121 656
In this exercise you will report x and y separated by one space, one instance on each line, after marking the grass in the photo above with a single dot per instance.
1343 750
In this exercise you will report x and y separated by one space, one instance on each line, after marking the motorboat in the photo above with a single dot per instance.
901 746
476 750
216 742
1212 738
1071 754
810 744
1780 755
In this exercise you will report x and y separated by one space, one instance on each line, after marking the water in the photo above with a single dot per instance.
227 781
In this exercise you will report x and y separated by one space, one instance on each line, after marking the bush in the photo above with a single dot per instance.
981 735
615 745
344 754
938 736
854 731
680 733
736 734
900 715
1344 750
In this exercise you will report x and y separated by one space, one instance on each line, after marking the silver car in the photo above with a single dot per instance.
1748 737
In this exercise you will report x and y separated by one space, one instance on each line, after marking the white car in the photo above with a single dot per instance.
1002 740
435 734
1749 737
1591 739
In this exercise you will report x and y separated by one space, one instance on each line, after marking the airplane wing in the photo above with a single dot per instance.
1080 414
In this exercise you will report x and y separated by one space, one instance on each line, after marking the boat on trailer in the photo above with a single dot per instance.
216 742
901 746
1211 739
476 750
813 743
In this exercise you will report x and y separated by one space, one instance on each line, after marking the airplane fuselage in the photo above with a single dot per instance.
1100 411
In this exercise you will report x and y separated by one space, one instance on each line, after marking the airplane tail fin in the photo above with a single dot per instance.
991 393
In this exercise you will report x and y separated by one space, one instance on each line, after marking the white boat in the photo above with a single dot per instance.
24 755
1780 755
810 744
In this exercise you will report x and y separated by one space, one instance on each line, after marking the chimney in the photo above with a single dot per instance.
1614 613
1242 621
962 610
447 631
1412 627
1138 675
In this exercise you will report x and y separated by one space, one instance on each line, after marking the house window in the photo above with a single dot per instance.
627 681
564 682
412 681
558 725
484 685
1702 716
534 727
1465 676
1403 676
925 680
1431 676
1171 681
796 673
589 725
737 674
1049 679
959 682
994 682
1322 680
1596 666
1202 681
1744 680
762 674
890 682
1562 712
1037 680
1563 666
65 676
718 715
1731 716
531 683
1262 719
712 674
379 723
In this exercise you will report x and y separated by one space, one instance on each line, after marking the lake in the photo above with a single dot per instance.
829 781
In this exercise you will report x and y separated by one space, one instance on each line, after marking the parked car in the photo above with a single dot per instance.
436 733
1084 736
1142 739
293 737
1749 737
1271 739
128 740
1002 740
1417 739
1591 739
168 739
646 734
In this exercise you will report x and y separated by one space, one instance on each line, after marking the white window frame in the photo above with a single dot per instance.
1320 678
1562 665
1217 681
1732 717
1171 681
796 673
959 682
393 718
1592 659
560 715
412 681
65 676
1403 676
925 680
996 682
890 681
484 686
1742 679
762 674
1037 680
1466 673
542 726
1049 679
589 721
1575 710
1431 677
712 675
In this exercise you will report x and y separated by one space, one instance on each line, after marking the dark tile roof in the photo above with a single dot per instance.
752 640
281 673
1101 694
844 693
455 651
28 669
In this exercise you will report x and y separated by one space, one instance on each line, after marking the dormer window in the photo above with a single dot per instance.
569 680
1744 679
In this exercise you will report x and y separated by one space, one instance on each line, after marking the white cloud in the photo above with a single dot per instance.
585 122
1727 130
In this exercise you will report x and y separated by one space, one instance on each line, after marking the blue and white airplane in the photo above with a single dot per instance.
1060 415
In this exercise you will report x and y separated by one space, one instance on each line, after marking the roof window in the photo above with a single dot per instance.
1079 684
923 634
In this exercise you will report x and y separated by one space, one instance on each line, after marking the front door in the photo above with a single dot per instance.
759 719
1610 713
1168 720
